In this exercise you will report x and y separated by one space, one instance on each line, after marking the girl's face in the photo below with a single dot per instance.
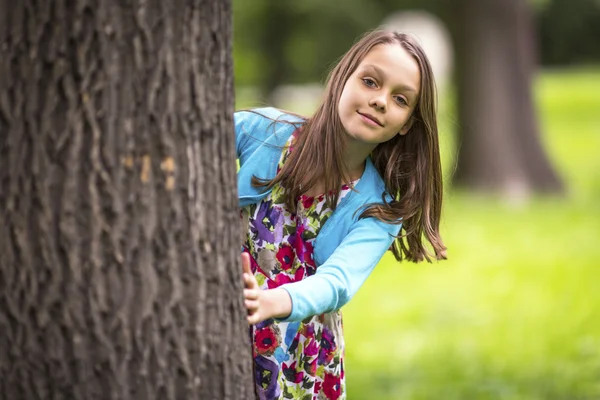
379 97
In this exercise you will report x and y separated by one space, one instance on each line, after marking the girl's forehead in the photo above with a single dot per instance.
392 62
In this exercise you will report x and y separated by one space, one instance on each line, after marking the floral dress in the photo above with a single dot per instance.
292 360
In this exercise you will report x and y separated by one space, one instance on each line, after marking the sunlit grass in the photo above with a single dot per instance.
515 312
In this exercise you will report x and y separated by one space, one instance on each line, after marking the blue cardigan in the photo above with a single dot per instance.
346 249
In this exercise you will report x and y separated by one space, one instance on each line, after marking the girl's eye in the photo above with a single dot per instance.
400 100
369 82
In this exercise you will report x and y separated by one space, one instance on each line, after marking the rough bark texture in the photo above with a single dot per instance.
119 232
499 145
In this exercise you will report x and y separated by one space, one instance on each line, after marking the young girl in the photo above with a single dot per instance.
322 198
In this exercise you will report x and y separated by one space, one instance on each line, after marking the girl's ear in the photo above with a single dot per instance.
407 126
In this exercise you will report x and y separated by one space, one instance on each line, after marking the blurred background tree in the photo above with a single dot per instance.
498 129
569 32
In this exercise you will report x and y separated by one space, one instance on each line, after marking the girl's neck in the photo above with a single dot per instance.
355 156
356 172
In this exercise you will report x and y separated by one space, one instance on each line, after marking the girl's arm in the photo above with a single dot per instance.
263 304
333 285
342 274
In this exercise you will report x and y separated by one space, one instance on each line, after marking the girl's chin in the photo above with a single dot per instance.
363 138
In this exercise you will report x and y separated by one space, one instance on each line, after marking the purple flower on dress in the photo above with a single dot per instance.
308 330
266 218
265 378
298 242
328 347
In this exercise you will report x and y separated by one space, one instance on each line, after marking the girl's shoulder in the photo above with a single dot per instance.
267 116
261 133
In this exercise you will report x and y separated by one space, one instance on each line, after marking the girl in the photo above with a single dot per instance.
324 197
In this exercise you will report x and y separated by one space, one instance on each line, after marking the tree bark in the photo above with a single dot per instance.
499 145
119 226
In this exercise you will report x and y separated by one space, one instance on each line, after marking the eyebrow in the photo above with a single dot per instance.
380 72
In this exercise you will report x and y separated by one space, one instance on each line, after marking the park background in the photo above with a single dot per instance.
514 313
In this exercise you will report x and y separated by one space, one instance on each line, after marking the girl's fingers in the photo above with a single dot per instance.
251 305
251 294
251 291
246 263
250 281
253 319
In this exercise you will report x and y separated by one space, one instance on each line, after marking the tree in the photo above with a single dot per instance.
499 145
499 148
119 228
569 31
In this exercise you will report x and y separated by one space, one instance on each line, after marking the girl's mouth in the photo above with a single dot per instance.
370 120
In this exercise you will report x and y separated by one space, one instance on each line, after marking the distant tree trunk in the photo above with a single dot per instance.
119 236
499 145
276 35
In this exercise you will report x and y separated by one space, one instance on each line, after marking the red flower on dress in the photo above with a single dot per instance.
291 373
332 386
311 349
318 386
266 341
285 255
299 275
282 279
307 201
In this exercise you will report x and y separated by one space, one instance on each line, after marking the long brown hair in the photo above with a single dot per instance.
409 164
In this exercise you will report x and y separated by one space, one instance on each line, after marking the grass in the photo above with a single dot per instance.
515 313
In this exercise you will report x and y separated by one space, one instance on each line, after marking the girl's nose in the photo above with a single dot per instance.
378 103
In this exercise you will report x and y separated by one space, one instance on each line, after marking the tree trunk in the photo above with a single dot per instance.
276 34
499 145
119 227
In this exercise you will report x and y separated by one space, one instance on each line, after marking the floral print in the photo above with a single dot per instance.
266 340
299 360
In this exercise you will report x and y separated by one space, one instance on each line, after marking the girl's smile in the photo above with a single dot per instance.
369 119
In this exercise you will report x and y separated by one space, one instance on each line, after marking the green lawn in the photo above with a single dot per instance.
515 312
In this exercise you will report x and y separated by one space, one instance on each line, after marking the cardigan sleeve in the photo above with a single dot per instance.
254 128
245 122
338 279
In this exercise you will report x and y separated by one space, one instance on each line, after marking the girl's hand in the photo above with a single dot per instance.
263 304
252 292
